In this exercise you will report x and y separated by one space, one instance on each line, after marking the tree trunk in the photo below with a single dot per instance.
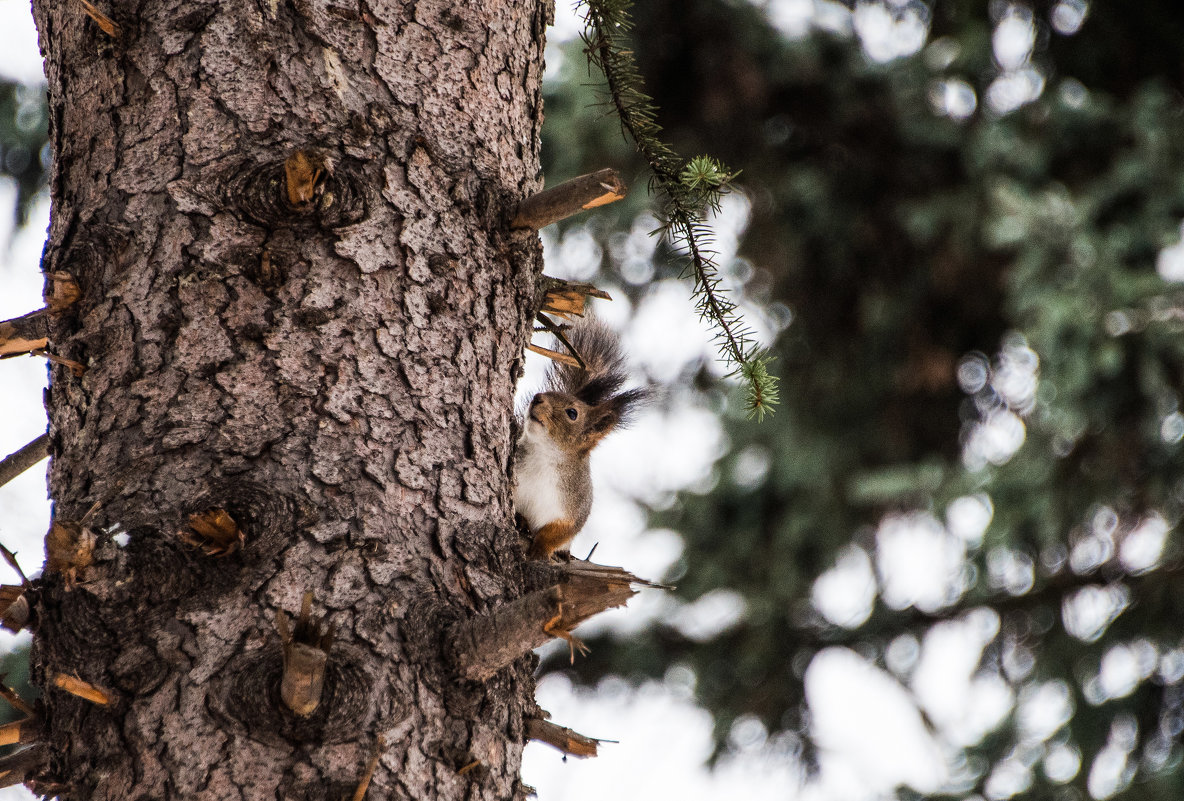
301 322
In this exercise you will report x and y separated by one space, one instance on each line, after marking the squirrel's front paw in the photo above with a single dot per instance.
550 538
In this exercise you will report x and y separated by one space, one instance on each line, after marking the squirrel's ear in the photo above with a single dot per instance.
603 418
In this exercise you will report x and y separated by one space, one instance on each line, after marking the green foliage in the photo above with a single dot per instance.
914 250
764 394
687 190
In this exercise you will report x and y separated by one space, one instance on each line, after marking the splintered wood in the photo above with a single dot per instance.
563 299
63 292
214 531
18 731
24 334
484 644
70 547
567 298
14 607
304 173
82 689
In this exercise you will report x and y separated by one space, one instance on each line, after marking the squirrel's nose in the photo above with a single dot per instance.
536 401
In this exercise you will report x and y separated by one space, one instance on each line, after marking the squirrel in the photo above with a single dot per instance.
576 409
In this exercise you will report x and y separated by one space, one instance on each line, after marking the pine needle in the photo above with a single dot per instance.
689 189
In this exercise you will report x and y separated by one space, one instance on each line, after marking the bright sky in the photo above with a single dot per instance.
867 721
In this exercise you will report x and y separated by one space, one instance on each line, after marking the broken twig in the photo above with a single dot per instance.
484 644
562 738
19 461
83 689
105 23
371 766
568 198
214 531
24 334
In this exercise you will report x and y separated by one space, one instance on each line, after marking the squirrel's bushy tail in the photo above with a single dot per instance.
604 374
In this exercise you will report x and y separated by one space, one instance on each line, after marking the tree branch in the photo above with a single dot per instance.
19 461
561 737
83 689
484 644
24 334
569 198
18 731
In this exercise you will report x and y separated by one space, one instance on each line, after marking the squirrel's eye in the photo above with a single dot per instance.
572 414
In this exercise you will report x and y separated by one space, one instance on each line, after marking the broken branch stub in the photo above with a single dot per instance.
562 358
24 334
214 531
17 731
306 655
14 700
82 689
304 677
76 367
14 607
62 293
484 644
371 766
304 174
562 299
566 298
561 737
21 460
568 198
14 603
69 550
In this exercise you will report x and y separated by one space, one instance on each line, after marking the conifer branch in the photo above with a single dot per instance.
688 190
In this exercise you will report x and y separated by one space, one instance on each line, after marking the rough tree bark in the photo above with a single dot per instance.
302 315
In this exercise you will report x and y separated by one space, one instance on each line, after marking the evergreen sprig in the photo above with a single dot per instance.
688 189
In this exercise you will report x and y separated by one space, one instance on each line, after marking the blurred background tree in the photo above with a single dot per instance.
964 218
24 162
24 151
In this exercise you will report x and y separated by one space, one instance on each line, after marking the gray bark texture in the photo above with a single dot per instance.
332 366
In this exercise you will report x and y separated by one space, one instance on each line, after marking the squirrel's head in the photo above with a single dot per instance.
575 425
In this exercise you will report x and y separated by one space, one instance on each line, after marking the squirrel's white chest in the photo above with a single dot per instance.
537 493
